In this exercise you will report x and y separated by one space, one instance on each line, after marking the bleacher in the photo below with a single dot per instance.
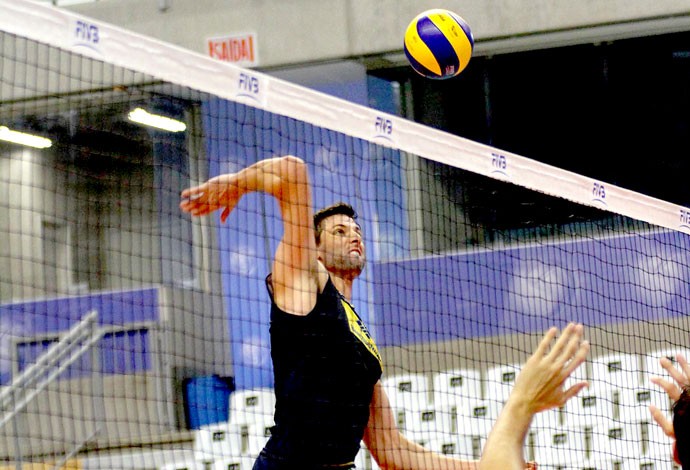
607 426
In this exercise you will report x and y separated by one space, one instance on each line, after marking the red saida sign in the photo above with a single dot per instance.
239 49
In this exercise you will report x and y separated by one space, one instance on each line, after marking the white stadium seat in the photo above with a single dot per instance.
255 436
457 446
499 381
477 417
559 447
185 465
634 403
615 441
239 463
649 464
549 419
430 423
615 371
453 387
589 407
217 441
407 392
252 405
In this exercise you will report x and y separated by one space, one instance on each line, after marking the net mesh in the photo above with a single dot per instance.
133 336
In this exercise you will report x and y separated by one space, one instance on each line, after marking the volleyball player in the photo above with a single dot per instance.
326 366
679 392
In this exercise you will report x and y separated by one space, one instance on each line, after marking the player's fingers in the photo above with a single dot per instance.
671 389
225 214
663 422
679 376
190 193
685 367
574 390
573 345
577 358
201 209
543 347
561 347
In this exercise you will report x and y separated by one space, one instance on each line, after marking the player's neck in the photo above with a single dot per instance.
344 286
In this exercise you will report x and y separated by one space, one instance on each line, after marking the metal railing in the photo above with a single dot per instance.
25 386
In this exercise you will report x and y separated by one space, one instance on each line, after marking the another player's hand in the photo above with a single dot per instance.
221 191
673 390
540 384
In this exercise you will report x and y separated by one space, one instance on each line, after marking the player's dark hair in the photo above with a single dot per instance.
334 209
681 427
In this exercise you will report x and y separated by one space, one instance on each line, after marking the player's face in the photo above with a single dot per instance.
341 247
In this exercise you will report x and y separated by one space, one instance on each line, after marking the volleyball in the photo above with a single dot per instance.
438 44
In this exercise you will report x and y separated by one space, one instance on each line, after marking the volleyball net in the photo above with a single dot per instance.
473 252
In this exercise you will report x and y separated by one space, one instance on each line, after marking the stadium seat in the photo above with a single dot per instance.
606 463
589 407
615 371
477 417
649 464
253 405
458 446
655 443
239 463
186 465
231 440
424 425
549 419
364 459
499 381
634 403
254 437
407 392
614 440
452 387
217 441
560 447
652 368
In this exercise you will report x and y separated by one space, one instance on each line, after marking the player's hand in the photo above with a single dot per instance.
540 384
673 390
219 192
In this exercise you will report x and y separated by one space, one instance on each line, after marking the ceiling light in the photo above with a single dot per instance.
23 138
156 120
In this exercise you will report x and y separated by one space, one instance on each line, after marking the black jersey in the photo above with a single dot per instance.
325 368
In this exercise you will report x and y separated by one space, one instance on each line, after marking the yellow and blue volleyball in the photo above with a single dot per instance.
438 44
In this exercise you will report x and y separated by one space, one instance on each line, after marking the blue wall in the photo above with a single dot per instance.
529 289
121 352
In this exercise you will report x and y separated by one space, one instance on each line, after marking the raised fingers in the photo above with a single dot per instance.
577 358
574 390
663 422
567 344
679 376
685 367
670 388
543 347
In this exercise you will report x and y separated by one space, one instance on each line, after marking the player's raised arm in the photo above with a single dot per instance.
539 387
295 265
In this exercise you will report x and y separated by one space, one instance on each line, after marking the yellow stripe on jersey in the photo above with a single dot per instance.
359 330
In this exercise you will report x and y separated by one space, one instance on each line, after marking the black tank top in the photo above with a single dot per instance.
325 366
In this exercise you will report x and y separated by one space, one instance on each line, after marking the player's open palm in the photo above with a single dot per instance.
219 192
681 376
540 385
